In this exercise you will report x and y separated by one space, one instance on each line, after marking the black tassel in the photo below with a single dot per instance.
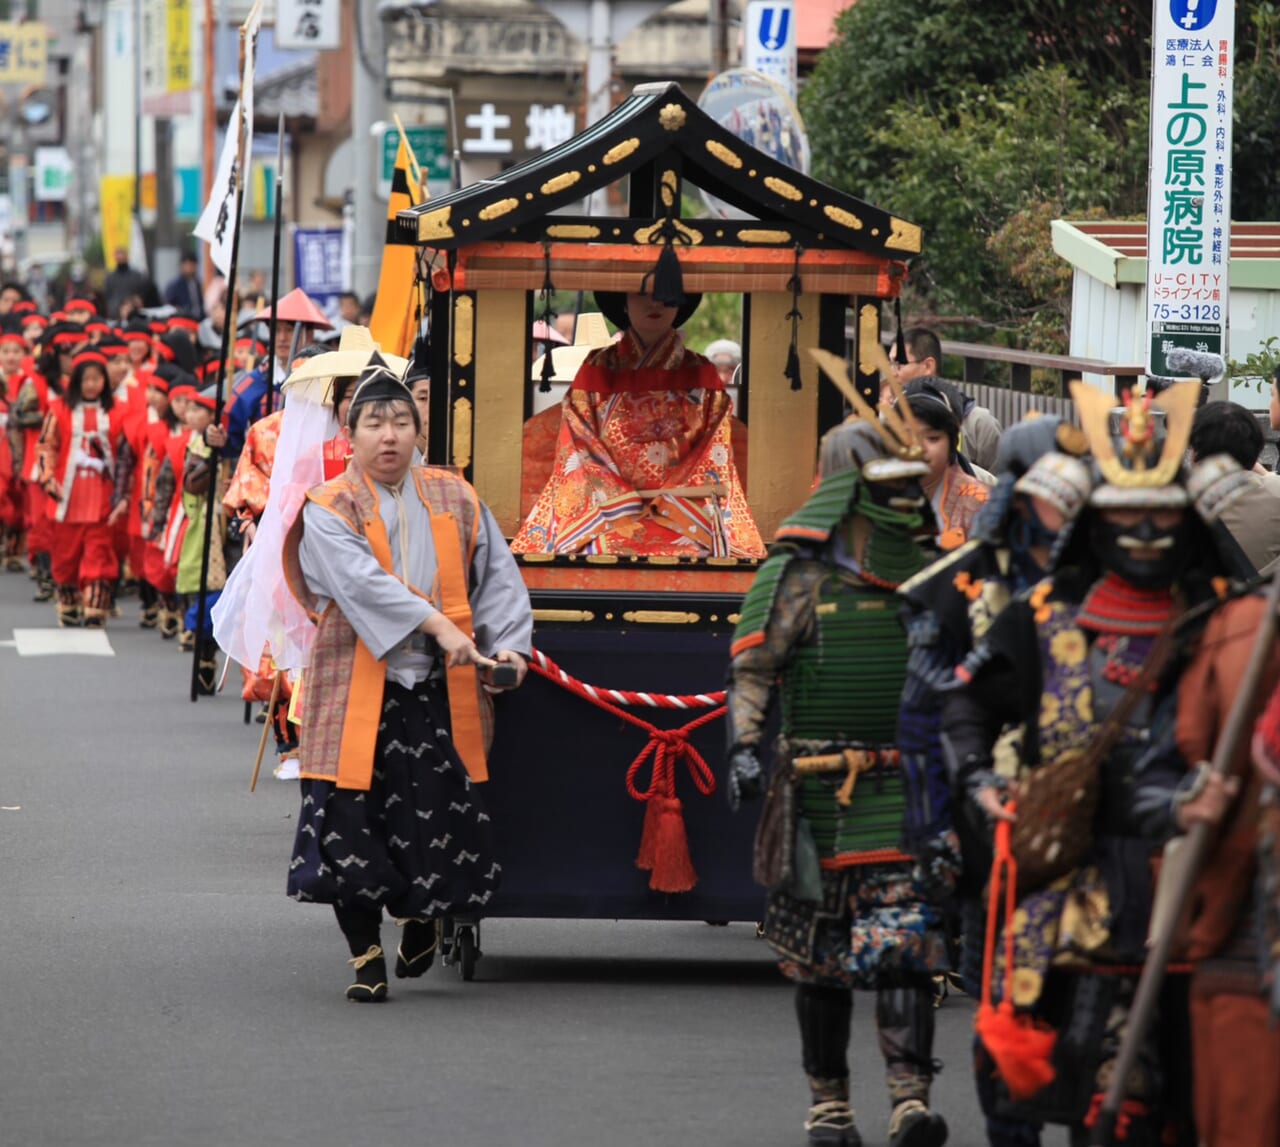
668 279
900 345
792 373
548 371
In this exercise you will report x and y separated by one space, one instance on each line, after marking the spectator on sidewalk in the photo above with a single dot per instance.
1253 519
979 430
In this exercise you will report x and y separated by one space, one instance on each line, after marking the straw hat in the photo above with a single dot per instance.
356 349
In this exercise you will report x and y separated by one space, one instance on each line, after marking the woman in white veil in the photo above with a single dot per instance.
257 610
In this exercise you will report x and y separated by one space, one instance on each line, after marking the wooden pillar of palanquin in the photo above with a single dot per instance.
501 386
782 423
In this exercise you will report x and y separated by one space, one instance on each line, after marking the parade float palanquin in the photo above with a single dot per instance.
563 791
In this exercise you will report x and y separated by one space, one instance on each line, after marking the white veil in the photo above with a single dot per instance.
257 609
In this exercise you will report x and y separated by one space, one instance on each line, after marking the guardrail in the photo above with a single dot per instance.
1021 363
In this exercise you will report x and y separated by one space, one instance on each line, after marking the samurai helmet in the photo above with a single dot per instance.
888 445
1139 448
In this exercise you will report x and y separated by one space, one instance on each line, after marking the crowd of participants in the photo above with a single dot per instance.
1058 560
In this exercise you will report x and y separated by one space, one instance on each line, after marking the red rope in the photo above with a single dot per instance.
543 665
668 748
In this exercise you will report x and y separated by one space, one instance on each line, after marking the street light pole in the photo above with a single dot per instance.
367 63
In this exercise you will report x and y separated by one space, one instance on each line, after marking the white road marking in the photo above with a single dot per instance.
49 642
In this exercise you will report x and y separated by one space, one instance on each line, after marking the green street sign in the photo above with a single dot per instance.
1165 337
430 148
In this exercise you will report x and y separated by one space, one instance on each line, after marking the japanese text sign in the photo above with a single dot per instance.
24 50
1189 190
309 24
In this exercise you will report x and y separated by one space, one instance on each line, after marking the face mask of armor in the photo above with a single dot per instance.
1115 544
899 513
1025 533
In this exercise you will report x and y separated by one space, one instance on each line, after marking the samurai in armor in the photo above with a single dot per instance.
820 633
1080 669
950 606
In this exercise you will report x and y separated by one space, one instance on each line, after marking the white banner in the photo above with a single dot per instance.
313 25
217 222
769 43
1189 181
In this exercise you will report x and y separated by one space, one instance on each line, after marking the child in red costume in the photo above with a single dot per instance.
79 448
12 494
27 415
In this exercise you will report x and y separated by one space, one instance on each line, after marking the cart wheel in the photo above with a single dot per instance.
448 938
468 952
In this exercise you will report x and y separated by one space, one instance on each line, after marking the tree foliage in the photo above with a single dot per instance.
984 122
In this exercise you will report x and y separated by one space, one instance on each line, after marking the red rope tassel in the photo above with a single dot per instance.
664 841
1021 1047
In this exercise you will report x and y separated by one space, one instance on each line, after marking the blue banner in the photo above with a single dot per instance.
317 264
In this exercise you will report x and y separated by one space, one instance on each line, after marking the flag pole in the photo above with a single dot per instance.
228 327
270 401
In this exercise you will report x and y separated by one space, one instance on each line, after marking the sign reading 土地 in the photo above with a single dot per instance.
1189 196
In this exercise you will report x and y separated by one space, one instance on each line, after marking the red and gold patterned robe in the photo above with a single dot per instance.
638 420
246 496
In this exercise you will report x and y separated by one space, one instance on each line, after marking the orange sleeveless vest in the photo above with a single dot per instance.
344 682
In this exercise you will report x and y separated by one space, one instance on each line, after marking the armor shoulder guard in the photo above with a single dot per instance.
757 606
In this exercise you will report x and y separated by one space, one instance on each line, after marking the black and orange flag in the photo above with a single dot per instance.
394 324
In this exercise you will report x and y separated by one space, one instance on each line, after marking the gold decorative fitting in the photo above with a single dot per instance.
868 336
650 235
1144 462
761 235
669 188
462 433
672 117
661 560
722 561
843 217
561 182
499 209
602 559
435 225
563 615
783 188
573 231
620 151
464 334
903 236
536 559
734 618
661 617
725 155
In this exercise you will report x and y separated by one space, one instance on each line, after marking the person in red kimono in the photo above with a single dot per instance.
30 407
157 575
79 448
167 522
12 494
645 428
